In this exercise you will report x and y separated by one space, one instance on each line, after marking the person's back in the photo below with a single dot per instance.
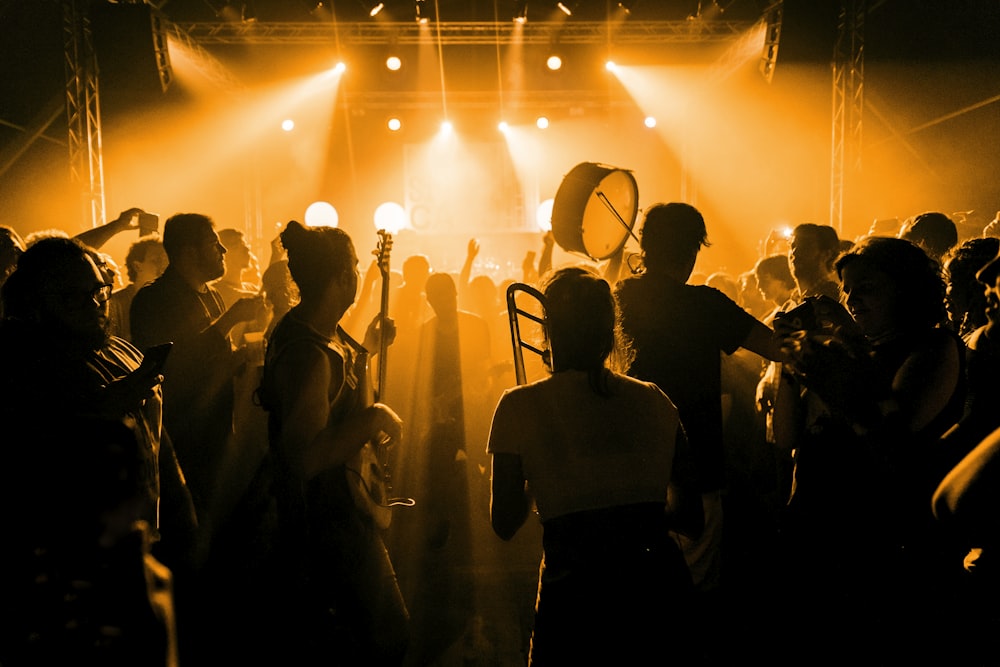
677 330
601 453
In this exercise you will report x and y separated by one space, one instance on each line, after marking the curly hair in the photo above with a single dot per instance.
916 276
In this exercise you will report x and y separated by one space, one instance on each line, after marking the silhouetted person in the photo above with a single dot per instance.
336 599
61 367
812 251
433 541
11 248
181 307
602 458
889 382
934 232
964 296
775 283
231 285
678 332
145 262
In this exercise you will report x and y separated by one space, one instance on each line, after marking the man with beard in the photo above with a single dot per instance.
182 307
61 364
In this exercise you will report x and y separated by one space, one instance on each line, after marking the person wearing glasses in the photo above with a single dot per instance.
61 367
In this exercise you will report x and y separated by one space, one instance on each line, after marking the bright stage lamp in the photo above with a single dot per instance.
390 217
321 214
543 215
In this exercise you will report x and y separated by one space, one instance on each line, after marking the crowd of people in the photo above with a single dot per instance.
310 461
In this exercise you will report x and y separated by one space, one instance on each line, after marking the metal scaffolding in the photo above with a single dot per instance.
83 111
467 33
848 104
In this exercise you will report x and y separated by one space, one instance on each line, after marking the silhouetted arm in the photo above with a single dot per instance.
509 501
761 340
684 506
968 497
98 236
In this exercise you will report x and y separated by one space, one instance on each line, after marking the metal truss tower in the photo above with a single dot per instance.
83 112
848 104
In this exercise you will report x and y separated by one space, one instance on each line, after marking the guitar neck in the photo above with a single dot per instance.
383 315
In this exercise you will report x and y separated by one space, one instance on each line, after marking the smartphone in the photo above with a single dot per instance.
148 223
155 357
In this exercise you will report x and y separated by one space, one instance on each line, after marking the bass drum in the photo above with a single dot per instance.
594 210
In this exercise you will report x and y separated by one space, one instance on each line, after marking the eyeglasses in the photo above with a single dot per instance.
102 293
96 296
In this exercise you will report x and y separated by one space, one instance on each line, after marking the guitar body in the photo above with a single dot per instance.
367 471
370 483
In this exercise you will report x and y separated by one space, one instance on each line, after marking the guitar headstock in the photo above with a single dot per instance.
382 250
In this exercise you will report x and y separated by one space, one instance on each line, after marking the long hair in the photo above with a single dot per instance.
582 325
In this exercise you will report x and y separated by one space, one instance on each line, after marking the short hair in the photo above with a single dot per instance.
672 233
317 256
230 237
933 231
441 291
184 230
916 276
776 267
138 252
824 236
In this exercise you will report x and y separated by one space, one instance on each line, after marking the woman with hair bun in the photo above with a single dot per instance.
603 459
338 599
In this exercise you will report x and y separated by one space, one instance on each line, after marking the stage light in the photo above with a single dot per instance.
446 127
564 9
554 63
321 12
542 122
610 66
321 214
503 126
339 68
520 11
376 9
390 216
394 124
650 122
419 11
288 125
393 63
626 6
543 215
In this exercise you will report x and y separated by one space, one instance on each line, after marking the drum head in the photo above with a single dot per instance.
594 210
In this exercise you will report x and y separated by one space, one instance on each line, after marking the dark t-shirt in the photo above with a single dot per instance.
678 332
